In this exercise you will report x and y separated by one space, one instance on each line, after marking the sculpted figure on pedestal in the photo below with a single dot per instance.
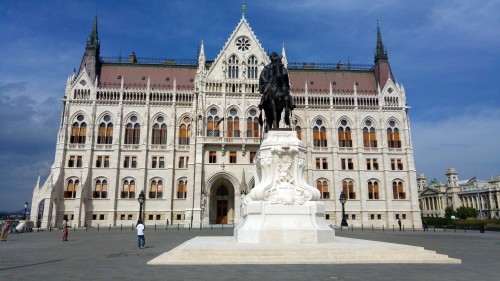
274 87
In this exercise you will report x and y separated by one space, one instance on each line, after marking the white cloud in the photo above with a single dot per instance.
468 139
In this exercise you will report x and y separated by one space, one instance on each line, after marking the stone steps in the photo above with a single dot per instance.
209 250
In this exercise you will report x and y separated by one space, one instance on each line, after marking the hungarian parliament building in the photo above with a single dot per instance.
184 134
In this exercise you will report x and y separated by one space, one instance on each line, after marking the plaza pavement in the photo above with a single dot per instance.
112 254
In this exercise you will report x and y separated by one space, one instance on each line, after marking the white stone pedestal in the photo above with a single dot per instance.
282 208
282 224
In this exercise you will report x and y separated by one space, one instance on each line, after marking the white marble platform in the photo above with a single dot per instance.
226 250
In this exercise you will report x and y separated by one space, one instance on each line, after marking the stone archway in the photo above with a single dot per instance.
221 200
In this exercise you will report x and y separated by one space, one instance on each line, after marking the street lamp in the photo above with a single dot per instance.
141 201
342 201
25 207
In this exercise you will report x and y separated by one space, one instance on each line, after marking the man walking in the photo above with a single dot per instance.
65 230
399 223
141 241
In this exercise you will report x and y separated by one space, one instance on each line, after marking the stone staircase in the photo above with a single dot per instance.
225 250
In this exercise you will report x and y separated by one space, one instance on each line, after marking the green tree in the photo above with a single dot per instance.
466 212
448 212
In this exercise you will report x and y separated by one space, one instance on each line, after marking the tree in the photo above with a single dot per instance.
466 212
448 212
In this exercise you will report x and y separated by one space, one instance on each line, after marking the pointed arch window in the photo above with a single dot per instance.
345 138
182 189
369 136
253 128
185 131
132 131
319 134
393 139
101 189
79 130
373 189
233 124
159 131
233 67
348 189
71 188
156 190
213 123
322 186
299 132
252 67
105 133
398 191
128 189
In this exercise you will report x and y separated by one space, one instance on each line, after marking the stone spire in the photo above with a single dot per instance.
90 61
201 59
283 56
380 51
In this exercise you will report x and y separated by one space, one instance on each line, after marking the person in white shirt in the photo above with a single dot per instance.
141 241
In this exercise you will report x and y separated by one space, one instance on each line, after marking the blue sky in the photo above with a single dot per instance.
445 53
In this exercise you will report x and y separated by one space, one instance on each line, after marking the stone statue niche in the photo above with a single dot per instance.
282 208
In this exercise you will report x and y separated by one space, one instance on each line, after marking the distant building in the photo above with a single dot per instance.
186 132
435 196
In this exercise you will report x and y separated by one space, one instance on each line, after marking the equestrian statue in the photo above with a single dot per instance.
274 87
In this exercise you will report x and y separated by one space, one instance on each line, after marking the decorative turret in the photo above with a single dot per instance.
382 68
90 61
283 56
451 177
421 181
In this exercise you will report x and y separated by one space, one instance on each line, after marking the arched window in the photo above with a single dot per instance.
322 186
105 134
233 66
159 131
156 190
185 131
233 124
348 189
71 188
79 130
299 132
213 123
133 131
345 139
369 136
398 190
182 189
252 67
101 189
128 190
253 124
319 134
373 190
393 139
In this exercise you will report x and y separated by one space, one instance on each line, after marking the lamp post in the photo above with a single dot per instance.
342 201
25 207
141 201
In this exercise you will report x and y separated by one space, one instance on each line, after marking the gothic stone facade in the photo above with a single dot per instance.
185 134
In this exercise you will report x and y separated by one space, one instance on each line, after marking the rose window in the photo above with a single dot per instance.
243 44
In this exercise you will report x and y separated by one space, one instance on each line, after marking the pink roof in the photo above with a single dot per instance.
318 81
136 76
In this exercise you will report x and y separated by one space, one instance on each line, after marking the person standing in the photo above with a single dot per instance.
65 230
141 241
5 229
399 223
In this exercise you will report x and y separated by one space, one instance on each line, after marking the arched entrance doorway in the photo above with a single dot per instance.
222 209
39 215
222 202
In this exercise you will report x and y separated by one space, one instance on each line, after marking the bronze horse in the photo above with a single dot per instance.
274 87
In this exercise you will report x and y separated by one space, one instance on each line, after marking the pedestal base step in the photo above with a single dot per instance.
225 250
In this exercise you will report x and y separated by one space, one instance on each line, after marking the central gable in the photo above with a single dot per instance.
241 46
